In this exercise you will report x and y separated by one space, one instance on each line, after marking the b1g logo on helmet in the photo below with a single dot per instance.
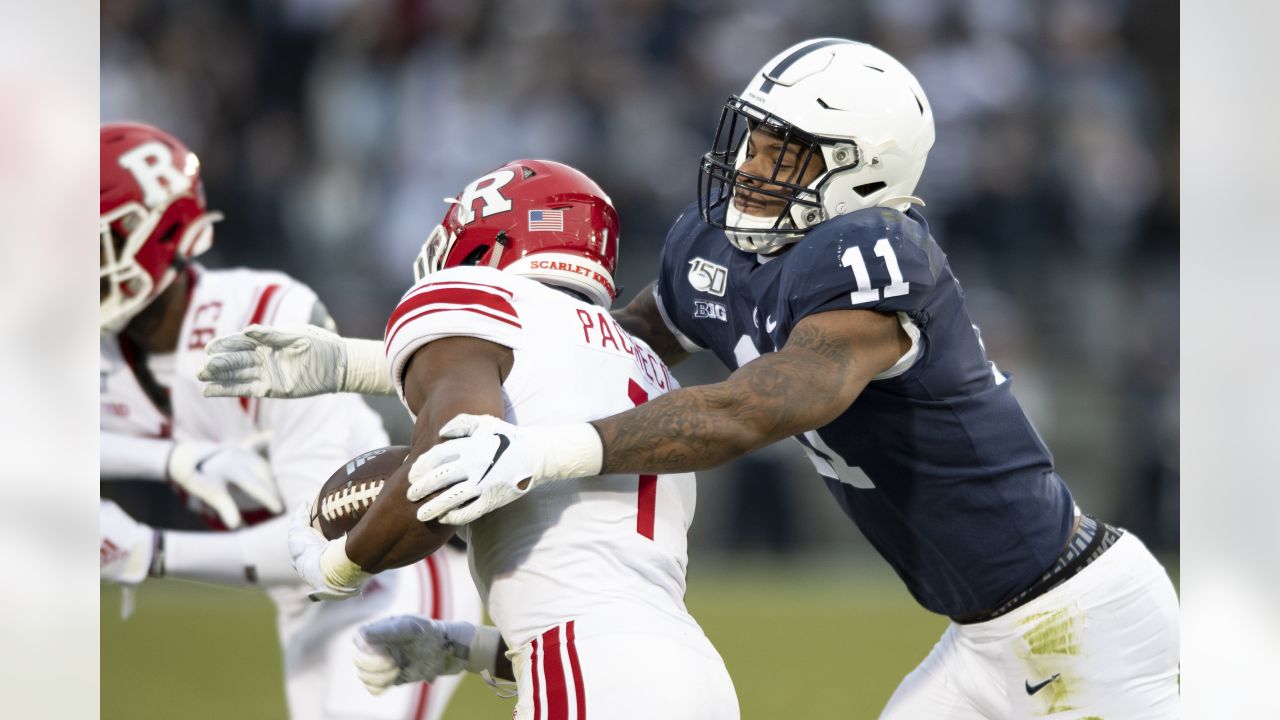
487 189
152 166
708 277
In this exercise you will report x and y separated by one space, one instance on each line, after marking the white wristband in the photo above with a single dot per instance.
367 371
338 569
484 650
572 451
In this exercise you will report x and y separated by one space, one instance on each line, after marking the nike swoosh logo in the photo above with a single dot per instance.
769 324
1033 689
200 463
504 442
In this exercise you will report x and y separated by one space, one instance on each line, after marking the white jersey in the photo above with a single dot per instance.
307 439
601 547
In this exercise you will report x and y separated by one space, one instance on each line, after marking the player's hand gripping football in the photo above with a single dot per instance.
412 648
488 463
208 471
323 564
292 362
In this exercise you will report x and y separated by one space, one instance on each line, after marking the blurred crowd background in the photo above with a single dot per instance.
330 130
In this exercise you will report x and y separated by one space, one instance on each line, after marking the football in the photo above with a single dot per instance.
349 493
352 489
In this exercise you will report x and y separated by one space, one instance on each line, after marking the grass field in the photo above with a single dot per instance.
802 639
805 640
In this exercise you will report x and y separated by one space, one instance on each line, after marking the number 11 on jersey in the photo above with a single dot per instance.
852 258
647 500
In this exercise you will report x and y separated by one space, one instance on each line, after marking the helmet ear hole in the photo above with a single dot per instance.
169 235
473 257
869 188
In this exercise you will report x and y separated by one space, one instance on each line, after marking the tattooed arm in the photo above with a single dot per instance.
828 360
642 319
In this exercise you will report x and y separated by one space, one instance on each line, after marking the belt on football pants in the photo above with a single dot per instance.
1087 543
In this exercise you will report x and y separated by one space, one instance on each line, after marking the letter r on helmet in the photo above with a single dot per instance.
152 165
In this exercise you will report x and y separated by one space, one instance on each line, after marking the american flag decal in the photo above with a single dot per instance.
546 220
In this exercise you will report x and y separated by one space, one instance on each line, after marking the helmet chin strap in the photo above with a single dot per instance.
762 242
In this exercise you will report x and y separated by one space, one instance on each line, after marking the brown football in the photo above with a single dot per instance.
351 490
400 538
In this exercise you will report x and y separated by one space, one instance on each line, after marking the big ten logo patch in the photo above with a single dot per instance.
709 310
708 277
204 321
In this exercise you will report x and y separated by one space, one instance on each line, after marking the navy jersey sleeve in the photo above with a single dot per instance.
874 259
673 266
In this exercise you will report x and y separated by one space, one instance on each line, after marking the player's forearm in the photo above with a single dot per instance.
125 457
445 378
373 548
252 557
773 397
683 431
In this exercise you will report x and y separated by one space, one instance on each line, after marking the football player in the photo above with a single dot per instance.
584 579
807 266
158 310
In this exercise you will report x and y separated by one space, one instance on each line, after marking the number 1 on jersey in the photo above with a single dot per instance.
647 499
852 258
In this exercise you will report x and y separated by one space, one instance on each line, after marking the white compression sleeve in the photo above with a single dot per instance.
257 556
125 457
367 371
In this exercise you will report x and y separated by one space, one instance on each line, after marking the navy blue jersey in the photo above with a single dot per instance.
935 461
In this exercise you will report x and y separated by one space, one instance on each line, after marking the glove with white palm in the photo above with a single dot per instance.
489 463
208 471
127 549
411 648
293 362
323 564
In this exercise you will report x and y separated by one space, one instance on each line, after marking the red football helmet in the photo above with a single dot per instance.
152 218
536 218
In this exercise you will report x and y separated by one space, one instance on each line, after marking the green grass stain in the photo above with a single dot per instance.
1051 641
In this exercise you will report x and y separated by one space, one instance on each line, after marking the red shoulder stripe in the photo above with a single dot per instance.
450 296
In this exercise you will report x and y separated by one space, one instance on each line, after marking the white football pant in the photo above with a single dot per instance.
1103 644
640 672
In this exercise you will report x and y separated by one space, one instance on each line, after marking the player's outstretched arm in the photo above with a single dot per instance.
207 471
444 378
827 361
293 362
642 318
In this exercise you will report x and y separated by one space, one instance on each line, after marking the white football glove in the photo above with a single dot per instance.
293 362
412 648
490 463
207 471
323 564
126 547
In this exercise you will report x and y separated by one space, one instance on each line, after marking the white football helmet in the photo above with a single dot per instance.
853 106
